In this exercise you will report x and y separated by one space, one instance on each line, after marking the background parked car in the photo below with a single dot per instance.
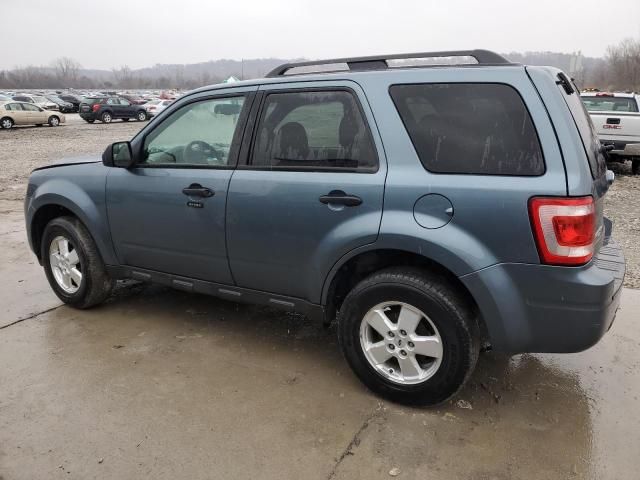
25 113
154 107
133 99
4 98
39 100
64 107
74 100
107 109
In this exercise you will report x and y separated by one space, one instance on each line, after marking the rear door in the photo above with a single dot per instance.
310 188
19 114
115 107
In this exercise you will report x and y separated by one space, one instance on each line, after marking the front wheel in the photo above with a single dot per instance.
409 336
54 121
73 264
141 116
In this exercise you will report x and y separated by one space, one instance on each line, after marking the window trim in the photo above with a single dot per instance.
236 141
257 116
432 172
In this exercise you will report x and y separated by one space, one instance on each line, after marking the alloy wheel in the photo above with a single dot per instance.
401 343
65 264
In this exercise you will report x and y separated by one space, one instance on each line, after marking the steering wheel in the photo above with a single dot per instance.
200 152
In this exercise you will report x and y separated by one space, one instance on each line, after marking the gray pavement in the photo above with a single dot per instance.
162 384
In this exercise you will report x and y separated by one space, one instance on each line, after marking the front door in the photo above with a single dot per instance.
311 189
35 115
168 212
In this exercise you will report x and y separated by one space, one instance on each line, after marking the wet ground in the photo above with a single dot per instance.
162 384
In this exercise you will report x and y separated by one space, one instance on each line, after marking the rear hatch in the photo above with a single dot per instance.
87 104
593 154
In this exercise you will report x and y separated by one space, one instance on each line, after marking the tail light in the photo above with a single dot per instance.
564 229
95 107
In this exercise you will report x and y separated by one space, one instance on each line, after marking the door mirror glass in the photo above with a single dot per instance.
118 155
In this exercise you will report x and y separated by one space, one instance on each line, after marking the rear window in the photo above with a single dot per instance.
470 128
91 101
610 104
587 131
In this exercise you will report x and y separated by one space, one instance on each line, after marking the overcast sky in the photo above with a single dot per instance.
138 33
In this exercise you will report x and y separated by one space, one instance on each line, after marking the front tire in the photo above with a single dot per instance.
141 116
73 264
54 121
409 336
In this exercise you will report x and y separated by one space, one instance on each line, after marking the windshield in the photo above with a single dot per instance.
610 104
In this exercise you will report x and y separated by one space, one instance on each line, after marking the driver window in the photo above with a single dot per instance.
200 133
31 108
125 102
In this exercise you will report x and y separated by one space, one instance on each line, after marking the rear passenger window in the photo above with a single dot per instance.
480 129
313 130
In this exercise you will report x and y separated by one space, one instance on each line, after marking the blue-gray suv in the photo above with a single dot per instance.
433 209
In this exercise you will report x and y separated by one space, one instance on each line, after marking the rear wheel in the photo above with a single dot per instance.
73 265
6 123
54 121
106 117
141 116
409 336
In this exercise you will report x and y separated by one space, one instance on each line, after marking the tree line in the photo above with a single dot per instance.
618 70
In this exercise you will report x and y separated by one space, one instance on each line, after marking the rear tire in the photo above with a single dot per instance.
106 117
438 351
76 271
141 116
6 123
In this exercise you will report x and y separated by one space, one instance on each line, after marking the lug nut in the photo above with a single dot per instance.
402 332
411 345
391 346
403 353
391 334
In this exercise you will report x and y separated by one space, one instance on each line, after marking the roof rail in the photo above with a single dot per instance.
379 62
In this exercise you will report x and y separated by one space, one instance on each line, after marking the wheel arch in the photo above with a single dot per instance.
48 206
352 269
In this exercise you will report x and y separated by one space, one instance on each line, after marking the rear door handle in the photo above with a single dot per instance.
197 190
338 197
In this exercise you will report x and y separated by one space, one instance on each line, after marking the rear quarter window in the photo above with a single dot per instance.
470 128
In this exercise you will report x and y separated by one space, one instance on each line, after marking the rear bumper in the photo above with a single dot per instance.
623 148
88 116
542 308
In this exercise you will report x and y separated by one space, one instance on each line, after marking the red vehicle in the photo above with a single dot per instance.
133 99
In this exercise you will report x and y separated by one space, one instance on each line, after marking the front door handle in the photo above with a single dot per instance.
338 197
197 190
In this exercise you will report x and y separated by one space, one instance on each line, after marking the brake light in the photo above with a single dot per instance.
95 107
604 94
564 229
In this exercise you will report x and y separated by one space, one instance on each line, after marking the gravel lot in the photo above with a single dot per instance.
22 149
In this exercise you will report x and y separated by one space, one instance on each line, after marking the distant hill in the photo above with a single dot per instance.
586 71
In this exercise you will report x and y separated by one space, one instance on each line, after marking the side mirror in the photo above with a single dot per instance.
118 155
